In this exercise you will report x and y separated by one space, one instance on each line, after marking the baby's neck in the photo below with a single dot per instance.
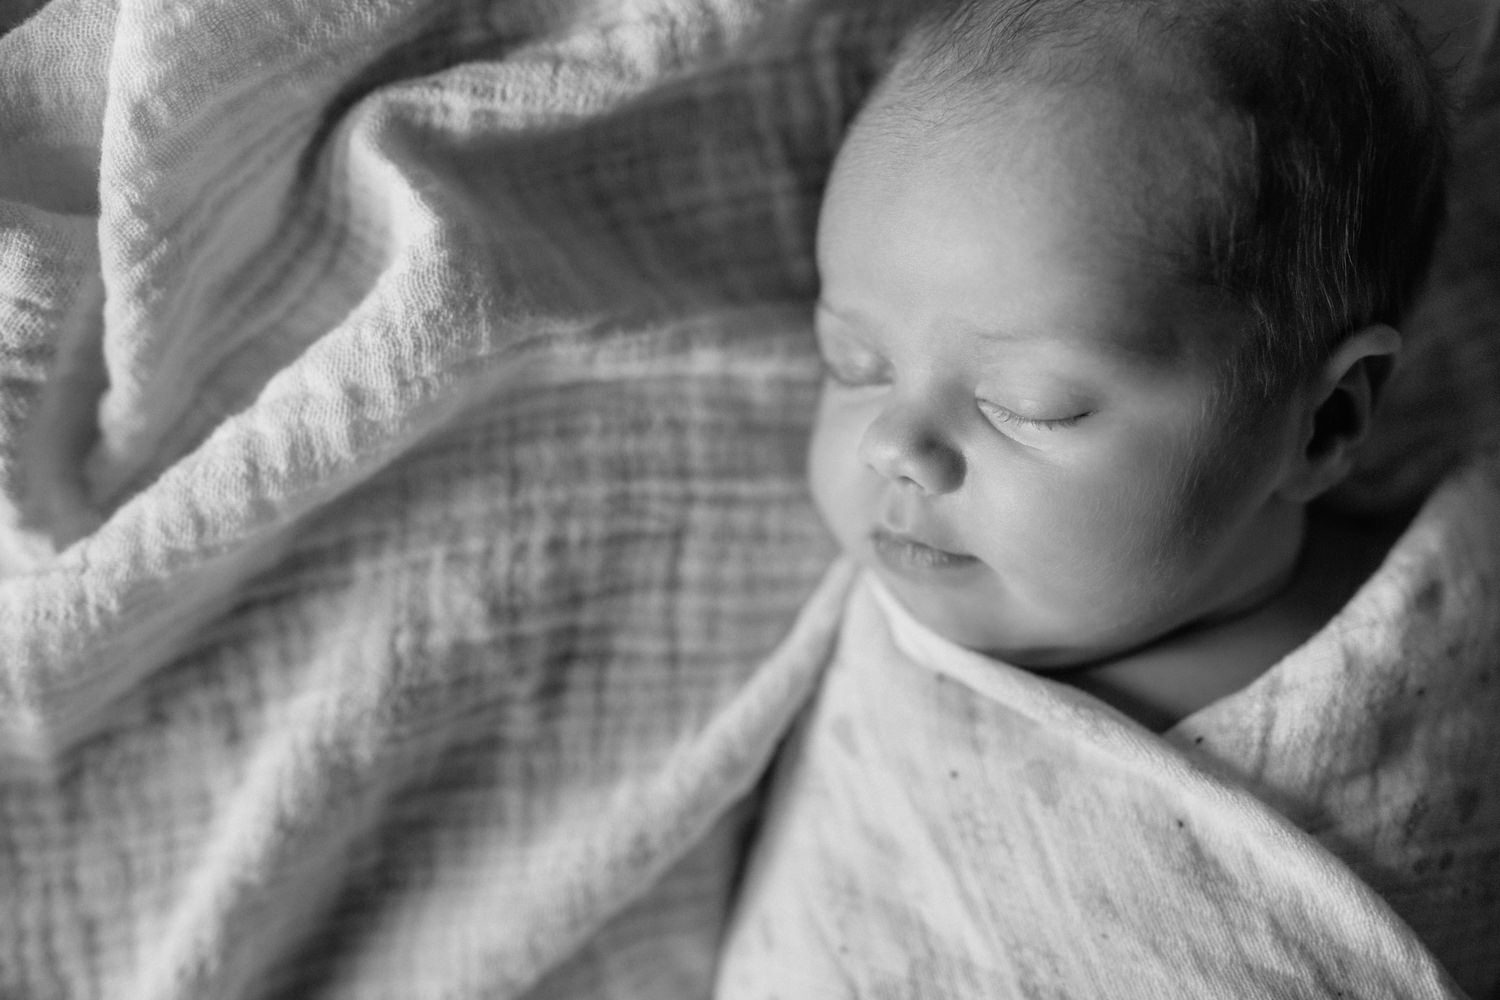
1163 683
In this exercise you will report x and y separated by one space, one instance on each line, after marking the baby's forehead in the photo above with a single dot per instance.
985 269
1149 184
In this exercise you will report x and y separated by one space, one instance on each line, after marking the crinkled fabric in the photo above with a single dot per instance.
401 495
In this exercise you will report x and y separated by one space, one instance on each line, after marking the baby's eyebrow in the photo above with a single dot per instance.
1142 349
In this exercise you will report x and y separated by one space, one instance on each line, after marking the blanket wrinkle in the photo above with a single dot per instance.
202 175
52 95
167 392
46 360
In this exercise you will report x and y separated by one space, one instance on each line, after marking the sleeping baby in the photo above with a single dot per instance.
1109 291
1107 296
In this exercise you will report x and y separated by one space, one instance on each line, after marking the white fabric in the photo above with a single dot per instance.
945 825
402 407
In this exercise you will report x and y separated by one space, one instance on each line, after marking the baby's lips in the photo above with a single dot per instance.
907 554
884 534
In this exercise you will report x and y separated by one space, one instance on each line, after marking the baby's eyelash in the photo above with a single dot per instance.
852 377
1000 415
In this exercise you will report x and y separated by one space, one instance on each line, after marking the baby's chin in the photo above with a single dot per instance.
980 622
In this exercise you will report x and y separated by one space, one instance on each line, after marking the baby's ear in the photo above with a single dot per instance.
1341 402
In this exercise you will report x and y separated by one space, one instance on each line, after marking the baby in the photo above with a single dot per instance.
1109 291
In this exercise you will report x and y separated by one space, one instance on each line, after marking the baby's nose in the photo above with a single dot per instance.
904 446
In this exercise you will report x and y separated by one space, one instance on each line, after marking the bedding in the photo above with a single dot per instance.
945 824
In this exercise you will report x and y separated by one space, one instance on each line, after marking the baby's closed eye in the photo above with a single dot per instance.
852 365
1001 416
855 373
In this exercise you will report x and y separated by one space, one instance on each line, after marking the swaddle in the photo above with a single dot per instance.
945 825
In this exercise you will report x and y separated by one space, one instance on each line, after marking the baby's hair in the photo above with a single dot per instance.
1320 140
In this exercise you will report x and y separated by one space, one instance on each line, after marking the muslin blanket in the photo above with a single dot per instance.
402 528
946 825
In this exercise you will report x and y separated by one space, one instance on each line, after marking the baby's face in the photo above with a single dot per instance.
1022 431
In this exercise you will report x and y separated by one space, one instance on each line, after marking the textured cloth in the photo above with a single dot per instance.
400 489
402 406
946 825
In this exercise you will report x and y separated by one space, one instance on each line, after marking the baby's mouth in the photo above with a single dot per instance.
905 554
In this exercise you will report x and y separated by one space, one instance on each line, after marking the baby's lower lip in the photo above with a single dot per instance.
905 555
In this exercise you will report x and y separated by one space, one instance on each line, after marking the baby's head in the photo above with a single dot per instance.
1108 289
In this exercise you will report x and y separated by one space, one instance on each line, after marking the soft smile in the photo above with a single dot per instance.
903 554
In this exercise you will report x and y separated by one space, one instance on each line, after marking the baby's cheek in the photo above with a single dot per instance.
1117 537
1178 533
833 471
